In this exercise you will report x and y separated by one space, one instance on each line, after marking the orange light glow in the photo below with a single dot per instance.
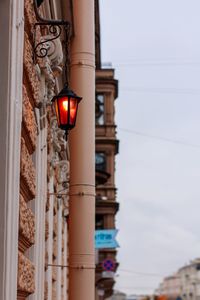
73 108
64 110
65 105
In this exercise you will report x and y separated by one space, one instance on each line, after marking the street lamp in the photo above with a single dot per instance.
66 102
66 106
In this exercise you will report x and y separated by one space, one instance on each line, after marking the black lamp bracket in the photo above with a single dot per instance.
54 30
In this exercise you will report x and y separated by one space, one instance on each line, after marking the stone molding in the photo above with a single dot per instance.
63 244
55 226
46 229
12 34
58 166
46 260
48 203
46 290
55 247
55 208
54 274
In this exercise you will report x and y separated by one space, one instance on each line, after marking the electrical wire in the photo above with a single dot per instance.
140 273
186 91
154 62
136 287
164 139
157 64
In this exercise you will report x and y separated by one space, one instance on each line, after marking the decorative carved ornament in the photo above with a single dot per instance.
51 65
26 226
27 173
26 272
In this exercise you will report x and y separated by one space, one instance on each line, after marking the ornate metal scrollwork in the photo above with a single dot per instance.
54 31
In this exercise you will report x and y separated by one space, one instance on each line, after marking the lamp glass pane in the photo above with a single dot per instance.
57 111
64 110
73 110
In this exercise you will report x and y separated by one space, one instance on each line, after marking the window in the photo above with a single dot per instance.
99 109
39 2
100 161
99 222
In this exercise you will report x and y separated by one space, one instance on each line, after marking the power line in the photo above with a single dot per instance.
157 64
141 273
169 140
168 61
136 287
186 91
148 59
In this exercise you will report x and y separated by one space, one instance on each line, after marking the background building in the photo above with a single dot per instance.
170 287
107 146
118 296
185 284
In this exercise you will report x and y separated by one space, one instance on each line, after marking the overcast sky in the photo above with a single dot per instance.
154 46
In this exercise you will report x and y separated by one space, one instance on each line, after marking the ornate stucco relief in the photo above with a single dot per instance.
50 66
62 173
29 126
26 226
30 17
58 165
30 71
27 173
26 271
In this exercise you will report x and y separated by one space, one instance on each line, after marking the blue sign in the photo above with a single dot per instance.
105 238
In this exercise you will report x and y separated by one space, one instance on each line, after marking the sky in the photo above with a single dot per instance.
154 46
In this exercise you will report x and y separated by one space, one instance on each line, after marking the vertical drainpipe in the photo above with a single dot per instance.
82 152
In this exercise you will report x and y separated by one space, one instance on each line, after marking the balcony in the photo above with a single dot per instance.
102 175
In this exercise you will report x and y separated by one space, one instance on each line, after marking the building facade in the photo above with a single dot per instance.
47 191
118 296
49 197
170 287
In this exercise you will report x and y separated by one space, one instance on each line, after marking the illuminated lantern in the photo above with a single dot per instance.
66 106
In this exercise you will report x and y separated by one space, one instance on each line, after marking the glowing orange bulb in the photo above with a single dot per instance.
65 105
